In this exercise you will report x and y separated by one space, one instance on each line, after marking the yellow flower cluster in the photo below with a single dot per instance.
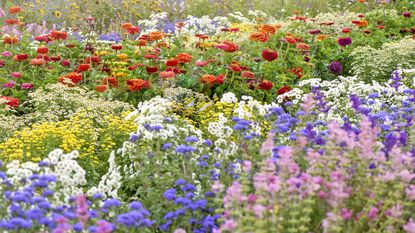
81 132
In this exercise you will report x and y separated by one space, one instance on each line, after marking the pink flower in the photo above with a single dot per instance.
373 212
26 86
9 84
228 225
217 186
201 63
410 192
6 54
406 176
346 214
258 210
410 226
246 166
2 13
180 230
268 144
16 74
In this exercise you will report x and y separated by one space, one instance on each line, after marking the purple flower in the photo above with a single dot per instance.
344 41
335 67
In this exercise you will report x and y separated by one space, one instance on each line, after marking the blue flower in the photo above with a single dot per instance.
180 182
170 194
135 205
191 139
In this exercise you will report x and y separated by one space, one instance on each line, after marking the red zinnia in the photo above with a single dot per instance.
184 58
137 84
172 62
228 47
283 89
59 35
113 82
167 74
83 67
248 74
269 54
265 85
10 101
151 69
42 50
20 57
14 9
116 47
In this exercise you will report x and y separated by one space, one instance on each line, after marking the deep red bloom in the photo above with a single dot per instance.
65 63
283 90
269 54
346 30
116 47
59 35
151 69
43 38
42 50
20 57
133 30
220 78
265 85
55 58
248 74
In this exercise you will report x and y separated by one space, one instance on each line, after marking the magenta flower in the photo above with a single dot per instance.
26 86
9 84
16 74
344 41
373 213
6 54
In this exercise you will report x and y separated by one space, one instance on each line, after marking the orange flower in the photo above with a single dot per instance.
184 58
321 37
360 23
299 72
155 36
101 88
266 28
208 79
113 82
59 35
71 78
259 36
167 74
14 9
10 40
303 47
141 42
37 62
137 84
126 26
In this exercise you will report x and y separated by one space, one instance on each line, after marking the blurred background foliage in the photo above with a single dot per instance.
72 13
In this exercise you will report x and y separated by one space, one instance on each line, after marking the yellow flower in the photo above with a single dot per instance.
122 56
58 14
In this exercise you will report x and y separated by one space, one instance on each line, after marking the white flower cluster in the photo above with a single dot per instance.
370 63
336 93
69 174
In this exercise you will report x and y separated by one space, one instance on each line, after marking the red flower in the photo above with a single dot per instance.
172 62
69 46
10 40
299 72
42 50
11 21
65 63
116 47
228 47
150 56
20 57
101 88
83 67
235 67
55 58
37 62
269 54
151 69
141 42
93 59
133 30
346 30
10 101
201 63
220 78
2 63
43 38
290 39
248 74
283 89
265 85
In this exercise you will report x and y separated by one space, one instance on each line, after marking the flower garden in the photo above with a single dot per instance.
212 116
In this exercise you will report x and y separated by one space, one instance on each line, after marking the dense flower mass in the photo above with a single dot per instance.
165 116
